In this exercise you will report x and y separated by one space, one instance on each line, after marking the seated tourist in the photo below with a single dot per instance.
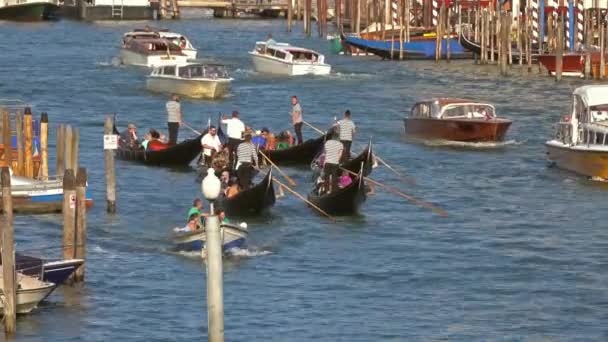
233 189
191 226
155 144
284 140
129 136
147 138
344 180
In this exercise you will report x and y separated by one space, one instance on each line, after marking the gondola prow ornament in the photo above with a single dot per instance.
211 186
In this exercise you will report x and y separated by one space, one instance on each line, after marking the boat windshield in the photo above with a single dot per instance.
203 71
304 56
598 113
469 110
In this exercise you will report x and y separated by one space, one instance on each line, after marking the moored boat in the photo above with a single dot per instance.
28 10
53 271
151 52
253 201
580 144
455 120
417 48
469 44
30 292
234 236
180 154
284 59
209 81
176 38
573 63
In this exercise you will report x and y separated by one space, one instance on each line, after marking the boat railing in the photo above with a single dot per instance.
563 132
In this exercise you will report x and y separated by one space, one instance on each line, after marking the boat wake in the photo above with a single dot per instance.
114 63
233 253
473 145
350 76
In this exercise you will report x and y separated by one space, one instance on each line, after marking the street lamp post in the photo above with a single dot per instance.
210 187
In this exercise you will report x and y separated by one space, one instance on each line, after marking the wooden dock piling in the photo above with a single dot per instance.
6 139
559 49
81 221
20 169
68 148
44 146
8 254
75 149
602 70
110 175
69 215
60 151
29 158
289 15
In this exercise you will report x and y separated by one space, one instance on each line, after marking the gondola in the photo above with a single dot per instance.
252 201
344 201
366 157
178 155
475 47
297 154
419 48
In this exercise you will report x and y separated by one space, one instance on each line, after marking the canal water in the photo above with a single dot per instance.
521 256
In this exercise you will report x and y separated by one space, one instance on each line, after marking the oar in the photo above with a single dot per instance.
305 200
291 181
376 155
189 127
396 191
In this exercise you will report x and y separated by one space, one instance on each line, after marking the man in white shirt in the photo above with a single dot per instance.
211 145
234 129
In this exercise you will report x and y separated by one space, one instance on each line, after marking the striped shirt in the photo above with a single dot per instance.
346 127
246 153
333 151
173 111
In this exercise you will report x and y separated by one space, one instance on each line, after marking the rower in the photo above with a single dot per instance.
296 118
346 128
333 150
234 129
247 157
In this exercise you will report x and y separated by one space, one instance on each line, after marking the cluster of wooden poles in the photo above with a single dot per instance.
303 11
74 197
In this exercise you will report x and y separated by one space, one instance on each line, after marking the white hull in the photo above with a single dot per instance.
128 57
31 292
202 88
190 53
270 65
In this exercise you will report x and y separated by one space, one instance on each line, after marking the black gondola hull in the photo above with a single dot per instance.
252 201
302 154
342 201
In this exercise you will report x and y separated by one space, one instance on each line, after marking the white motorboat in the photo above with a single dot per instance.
151 52
30 292
210 81
234 237
284 59
176 38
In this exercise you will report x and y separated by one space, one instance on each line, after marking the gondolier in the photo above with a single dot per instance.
333 150
174 118
296 118
211 145
247 157
346 129
234 129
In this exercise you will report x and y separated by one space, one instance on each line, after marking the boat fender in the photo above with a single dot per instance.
243 225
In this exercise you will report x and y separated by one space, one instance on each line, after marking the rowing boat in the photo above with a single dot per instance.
297 154
252 201
343 201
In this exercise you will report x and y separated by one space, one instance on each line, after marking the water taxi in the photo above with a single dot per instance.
210 81
153 33
284 59
455 120
151 52
580 144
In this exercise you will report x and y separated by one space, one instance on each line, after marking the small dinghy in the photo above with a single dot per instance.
30 292
234 237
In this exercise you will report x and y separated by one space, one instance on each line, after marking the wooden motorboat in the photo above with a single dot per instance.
343 201
53 271
209 81
151 52
28 10
31 196
297 154
30 292
252 201
455 120
234 236
580 143
180 154
423 47
284 59
176 38
573 63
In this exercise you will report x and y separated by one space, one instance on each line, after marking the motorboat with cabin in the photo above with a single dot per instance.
580 143
455 120
284 59
154 33
198 80
151 52
28 10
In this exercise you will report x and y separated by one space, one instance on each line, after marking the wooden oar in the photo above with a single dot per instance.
375 155
396 191
305 200
192 129
291 181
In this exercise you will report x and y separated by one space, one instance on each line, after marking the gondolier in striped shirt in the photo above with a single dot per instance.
174 118
333 151
246 157
346 128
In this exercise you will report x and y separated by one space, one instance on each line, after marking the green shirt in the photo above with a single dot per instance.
281 145
193 210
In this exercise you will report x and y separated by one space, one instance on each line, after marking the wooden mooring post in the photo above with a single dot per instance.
68 148
8 253
19 170
69 215
289 15
110 175
29 141
60 151
6 139
559 49
81 221
44 146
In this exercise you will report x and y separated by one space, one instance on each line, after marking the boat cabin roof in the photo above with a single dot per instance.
193 70
156 44
593 95
442 108
286 47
